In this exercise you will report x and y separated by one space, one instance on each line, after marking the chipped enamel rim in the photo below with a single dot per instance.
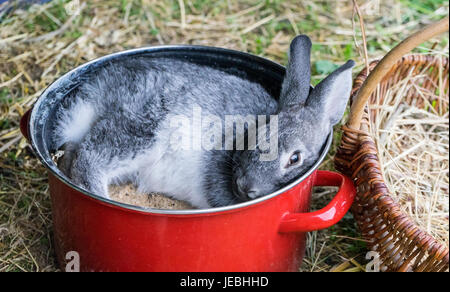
45 158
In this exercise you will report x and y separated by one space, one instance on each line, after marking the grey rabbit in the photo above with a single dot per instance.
117 127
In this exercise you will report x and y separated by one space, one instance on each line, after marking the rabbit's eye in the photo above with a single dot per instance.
295 158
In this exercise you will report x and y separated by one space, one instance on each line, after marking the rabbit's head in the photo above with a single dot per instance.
305 119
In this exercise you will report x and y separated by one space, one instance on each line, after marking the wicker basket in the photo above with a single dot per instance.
401 245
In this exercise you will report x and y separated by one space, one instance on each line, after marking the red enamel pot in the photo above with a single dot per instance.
266 234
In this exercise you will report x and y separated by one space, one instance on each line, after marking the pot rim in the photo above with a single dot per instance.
50 165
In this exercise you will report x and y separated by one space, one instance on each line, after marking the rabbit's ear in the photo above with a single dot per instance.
329 98
296 84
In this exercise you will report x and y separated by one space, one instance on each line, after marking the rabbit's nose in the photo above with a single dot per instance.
246 190
252 194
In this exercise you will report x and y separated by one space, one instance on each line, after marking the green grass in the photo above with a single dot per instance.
51 20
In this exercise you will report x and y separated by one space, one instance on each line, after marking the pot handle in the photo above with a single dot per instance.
24 123
328 216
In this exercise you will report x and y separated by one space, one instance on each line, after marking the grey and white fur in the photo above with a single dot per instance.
115 128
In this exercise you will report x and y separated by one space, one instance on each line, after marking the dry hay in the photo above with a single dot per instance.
413 147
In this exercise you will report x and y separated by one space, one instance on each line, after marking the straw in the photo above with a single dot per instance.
413 147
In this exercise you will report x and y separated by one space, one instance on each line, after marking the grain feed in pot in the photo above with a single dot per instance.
128 194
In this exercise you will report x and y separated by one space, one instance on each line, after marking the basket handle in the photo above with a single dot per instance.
383 67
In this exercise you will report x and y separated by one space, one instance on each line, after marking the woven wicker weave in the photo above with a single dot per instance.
401 245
